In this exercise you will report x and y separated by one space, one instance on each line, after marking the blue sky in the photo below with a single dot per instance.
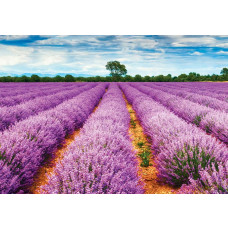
145 55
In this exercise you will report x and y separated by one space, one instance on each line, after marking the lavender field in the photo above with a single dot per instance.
114 138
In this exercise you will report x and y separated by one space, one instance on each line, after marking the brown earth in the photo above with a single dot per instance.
148 174
47 169
41 178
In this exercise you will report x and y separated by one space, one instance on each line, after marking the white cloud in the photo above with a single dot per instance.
13 55
222 52
54 41
67 40
196 53
222 45
131 42
185 41
13 37
129 50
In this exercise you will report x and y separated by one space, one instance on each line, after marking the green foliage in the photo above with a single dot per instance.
138 78
140 144
128 78
69 78
133 124
35 78
224 73
116 69
188 162
118 73
145 156
58 78
197 120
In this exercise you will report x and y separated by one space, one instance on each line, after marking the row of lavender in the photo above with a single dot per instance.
185 155
36 92
13 114
210 120
26 145
193 96
14 89
101 159
205 86
197 88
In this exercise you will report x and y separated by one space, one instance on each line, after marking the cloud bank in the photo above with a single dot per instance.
145 55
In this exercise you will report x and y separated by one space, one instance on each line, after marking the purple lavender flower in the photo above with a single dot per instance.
182 150
101 160
25 145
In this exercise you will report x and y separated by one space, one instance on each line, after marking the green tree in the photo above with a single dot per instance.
128 78
192 77
116 70
147 78
224 73
35 78
24 78
58 78
159 78
214 77
79 79
138 78
168 78
108 79
182 77
69 78
46 79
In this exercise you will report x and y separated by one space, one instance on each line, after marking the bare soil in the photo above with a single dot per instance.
41 178
148 174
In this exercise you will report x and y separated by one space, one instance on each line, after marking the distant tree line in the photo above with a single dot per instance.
191 77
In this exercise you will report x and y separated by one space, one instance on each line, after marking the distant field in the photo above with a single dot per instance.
114 138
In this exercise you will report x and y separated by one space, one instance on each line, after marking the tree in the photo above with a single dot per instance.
128 78
69 78
168 78
58 78
138 78
116 70
214 77
182 77
147 78
24 78
159 78
224 73
35 78
46 79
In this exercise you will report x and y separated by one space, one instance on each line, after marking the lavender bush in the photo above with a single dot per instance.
214 180
194 97
204 117
101 160
182 150
25 145
207 89
37 92
11 115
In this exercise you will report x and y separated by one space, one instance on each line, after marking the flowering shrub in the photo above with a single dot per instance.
182 150
214 180
192 95
101 159
202 116
11 100
25 145
13 114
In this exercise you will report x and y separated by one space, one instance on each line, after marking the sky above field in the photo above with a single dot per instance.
145 55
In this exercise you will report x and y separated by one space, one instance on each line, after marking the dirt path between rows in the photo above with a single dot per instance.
141 144
41 178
